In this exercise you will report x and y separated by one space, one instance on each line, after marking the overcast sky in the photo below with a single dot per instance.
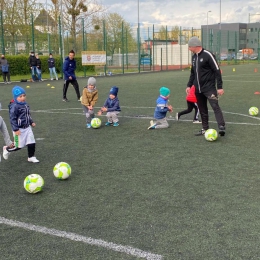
185 13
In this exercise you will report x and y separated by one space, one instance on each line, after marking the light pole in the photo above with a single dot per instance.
138 35
208 29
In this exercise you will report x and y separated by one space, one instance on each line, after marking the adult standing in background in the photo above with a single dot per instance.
33 65
4 66
205 73
39 68
69 67
51 64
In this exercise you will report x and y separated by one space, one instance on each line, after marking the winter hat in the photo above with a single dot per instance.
92 81
194 42
114 91
17 91
164 91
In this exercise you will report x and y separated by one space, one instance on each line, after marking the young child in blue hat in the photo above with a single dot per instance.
161 110
111 106
21 122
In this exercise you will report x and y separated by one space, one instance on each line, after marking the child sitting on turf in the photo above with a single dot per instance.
5 134
192 103
21 123
112 107
89 99
161 110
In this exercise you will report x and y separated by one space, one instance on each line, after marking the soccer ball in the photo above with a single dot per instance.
33 183
96 122
62 170
211 135
253 111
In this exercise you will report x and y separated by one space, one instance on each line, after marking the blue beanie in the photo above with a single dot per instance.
164 91
17 91
114 91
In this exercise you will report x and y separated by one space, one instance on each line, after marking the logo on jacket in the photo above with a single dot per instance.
201 59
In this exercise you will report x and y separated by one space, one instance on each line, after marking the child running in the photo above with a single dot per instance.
191 103
161 110
21 122
112 108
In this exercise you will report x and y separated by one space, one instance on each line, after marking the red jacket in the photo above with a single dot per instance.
191 97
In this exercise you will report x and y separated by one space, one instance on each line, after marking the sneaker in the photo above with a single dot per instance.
9 82
151 126
222 131
5 153
33 159
116 124
88 125
201 132
177 117
108 124
196 121
51 78
5 82
65 100
57 79
151 122
79 100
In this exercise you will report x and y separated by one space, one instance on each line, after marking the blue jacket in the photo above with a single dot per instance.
69 67
112 105
20 116
51 62
161 108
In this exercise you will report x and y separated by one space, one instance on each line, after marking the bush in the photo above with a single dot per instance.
19 64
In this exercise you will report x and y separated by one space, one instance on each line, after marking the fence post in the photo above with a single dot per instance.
83 42
258 50
33 49
123 51
161 58
166 47
2 32
180 47
61 48
126 51
138 46
105 44
153 47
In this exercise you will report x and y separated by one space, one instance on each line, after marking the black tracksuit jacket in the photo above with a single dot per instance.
204 72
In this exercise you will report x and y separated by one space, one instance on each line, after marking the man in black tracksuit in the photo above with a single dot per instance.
205 73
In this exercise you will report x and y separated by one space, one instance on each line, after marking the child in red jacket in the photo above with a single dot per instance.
192 103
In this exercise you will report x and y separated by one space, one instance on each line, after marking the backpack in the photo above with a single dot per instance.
5 68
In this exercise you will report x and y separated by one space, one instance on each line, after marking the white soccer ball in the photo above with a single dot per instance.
253 111
211 135
33 183
95 122
62 170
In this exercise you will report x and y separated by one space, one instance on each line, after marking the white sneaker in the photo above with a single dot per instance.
33 159
51 78
57 79
5 153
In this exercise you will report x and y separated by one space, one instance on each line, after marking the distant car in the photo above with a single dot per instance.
253 56
223 57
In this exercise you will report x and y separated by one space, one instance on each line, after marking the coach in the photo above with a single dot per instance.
204 74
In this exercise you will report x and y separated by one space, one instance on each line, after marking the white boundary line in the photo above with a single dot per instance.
87 240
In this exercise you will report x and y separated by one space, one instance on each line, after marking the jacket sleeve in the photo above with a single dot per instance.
214 66
94 99
29 62
192 77
106 103
65 68
13 118
114 108
162 108
84 100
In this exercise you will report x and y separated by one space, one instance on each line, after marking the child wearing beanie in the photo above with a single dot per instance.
161 110
111 106
21 122
89 99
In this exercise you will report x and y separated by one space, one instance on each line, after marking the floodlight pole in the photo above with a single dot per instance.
208 29
138 35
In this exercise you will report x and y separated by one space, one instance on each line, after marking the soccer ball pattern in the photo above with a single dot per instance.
253 111
33 183
211 135
62 170
95 122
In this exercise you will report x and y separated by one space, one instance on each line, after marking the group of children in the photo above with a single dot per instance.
22 122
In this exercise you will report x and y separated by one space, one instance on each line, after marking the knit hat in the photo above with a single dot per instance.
17 91
164 91
194 42
114 91
92 81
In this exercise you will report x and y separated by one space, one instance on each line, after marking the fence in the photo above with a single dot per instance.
129 47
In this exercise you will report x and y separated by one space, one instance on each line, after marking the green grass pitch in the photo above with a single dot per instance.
164 192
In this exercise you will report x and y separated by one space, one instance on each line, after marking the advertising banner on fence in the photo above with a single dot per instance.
93 58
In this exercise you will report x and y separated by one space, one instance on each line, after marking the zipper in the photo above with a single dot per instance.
197 72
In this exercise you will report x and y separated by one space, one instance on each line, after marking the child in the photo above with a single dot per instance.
112 107
21 123
161 110
192 103
5 134
89 99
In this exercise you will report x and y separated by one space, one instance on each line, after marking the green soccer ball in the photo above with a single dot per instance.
211 135
95 122
62 170
253 111
33 183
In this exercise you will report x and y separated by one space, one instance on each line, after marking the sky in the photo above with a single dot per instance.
185 13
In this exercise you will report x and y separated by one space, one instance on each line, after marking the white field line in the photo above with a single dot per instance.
87 240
